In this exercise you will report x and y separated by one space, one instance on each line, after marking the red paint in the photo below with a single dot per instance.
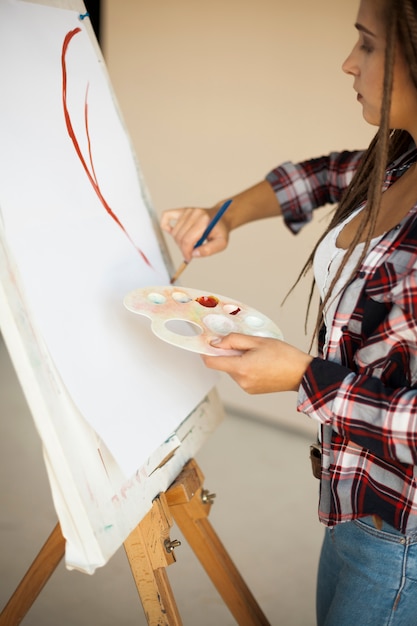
91 174
209 301
235 312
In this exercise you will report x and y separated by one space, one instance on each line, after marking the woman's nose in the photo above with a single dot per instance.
349 66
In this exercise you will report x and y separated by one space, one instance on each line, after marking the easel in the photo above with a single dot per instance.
149 551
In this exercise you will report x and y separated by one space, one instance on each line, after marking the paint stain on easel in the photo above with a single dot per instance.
210 316
88 166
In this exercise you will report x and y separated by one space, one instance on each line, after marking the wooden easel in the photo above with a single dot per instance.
149 551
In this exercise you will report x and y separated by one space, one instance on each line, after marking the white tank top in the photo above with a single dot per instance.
327 260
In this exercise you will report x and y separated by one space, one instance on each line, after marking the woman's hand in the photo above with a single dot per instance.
265 365
186 227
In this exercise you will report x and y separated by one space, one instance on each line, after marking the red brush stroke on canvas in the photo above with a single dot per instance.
91 174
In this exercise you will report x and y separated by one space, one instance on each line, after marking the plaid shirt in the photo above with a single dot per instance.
364 392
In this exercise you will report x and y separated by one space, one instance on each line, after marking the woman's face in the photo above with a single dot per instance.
366 64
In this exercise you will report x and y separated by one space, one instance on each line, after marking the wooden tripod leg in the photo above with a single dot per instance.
190 507
35 579
149 550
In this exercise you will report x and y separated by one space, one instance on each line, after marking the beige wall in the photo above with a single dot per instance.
214 94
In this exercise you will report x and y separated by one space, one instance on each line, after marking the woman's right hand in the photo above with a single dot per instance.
186 227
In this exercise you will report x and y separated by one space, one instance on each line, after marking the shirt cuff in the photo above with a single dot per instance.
319 388
293 194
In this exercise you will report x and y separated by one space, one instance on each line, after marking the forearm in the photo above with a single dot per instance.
255 203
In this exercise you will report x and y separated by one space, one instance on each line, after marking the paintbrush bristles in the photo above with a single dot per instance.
179 272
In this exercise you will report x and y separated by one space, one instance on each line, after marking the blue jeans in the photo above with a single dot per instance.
367 576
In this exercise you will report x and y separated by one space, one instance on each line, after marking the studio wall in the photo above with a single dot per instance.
216 94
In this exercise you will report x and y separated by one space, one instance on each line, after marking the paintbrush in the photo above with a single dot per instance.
203 237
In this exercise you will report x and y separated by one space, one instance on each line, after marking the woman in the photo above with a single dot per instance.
362 388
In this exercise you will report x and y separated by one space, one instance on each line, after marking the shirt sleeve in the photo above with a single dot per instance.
360 408
305 186
370 396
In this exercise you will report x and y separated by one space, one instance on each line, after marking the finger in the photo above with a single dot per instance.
188 226
221 363
237 344
236 341
189 229
216 242
169 219
185 226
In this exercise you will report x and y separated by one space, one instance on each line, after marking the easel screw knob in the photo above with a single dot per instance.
171 545
207 497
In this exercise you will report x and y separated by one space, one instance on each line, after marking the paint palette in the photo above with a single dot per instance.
191 319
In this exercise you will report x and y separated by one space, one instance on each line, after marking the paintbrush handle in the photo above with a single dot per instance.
213 223
203 237
178 272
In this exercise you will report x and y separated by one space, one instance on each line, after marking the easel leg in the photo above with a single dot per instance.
190 510
148 551
35 579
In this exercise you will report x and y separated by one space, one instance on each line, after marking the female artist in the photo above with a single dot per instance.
362 388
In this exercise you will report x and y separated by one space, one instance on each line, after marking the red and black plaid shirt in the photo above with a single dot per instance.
363 391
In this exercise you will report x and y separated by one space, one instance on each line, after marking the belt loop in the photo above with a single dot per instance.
315 458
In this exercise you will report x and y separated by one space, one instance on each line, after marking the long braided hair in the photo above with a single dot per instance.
400 18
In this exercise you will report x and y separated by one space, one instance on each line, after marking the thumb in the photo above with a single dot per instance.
233 341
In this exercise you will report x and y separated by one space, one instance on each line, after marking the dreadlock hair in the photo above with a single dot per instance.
400 18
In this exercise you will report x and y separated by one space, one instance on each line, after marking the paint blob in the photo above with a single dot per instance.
231 309
219 324
208 301
180 296
157 298
253 321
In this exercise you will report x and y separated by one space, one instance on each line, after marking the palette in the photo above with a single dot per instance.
191 318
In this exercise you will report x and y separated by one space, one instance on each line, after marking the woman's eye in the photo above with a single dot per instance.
366 46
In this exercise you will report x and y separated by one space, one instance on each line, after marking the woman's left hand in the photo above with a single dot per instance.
265 365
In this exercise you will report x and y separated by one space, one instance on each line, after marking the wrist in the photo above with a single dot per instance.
304 365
